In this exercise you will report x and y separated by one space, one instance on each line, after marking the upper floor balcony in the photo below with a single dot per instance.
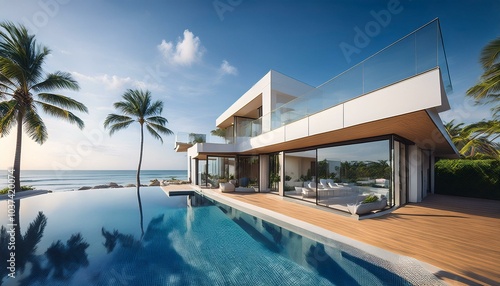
417 53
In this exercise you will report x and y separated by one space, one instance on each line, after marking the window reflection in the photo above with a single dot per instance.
341 175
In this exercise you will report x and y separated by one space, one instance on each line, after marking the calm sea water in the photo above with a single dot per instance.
74 179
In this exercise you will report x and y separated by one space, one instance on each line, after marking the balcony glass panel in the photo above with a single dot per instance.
256 127
190 138
426 48
418 52
244 127
443 63
344 87
229 135
393 64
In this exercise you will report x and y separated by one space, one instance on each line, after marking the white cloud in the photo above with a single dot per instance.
187 50
111 82
114 82
226 68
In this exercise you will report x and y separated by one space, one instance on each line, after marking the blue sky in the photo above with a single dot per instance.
200 56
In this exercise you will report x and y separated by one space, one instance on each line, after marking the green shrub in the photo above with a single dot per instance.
23 188
370 199
468 178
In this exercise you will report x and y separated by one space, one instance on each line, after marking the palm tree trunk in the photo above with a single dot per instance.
139 182
17 157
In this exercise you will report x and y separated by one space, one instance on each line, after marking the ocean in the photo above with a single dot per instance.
73 180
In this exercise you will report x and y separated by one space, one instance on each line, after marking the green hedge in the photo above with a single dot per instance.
468 178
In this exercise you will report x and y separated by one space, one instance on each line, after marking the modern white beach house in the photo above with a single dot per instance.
374 129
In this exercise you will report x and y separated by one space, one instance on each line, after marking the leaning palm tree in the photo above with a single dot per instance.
138 106
487 90
25 87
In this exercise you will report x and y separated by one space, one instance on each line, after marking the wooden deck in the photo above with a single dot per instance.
459 235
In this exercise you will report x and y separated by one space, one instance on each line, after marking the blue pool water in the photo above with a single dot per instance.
95 238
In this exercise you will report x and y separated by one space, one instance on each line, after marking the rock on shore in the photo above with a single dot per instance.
152 183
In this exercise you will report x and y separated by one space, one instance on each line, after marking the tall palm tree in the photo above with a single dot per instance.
25 87
487 90
137 106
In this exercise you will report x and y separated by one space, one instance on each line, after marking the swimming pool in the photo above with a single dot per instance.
96 237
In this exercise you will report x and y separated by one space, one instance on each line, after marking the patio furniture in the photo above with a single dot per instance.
364 208
226 187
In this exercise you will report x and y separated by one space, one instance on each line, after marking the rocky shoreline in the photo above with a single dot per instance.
152 183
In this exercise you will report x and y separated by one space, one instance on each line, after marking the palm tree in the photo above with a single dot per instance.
476 140
25 87
487 90
138 106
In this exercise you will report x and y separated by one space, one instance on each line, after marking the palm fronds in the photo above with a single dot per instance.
62 101
35 128
8 114
61 113
138 104
117 122
476 140
57 80
487 90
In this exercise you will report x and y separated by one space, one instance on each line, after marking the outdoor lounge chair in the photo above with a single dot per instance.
323 183
310 190
360 208
333 185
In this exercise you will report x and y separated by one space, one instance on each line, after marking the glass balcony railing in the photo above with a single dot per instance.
190 138
418 52
193 138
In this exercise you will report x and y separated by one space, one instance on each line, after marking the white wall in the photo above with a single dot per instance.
262 86
417 93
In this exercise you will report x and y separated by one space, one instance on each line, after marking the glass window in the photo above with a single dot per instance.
220 170
348 174
339 176
274 173
300 175
202 172
248 171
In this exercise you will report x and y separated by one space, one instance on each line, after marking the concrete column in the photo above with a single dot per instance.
415 174
264 172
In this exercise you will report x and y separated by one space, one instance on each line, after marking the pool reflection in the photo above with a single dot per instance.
192 241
